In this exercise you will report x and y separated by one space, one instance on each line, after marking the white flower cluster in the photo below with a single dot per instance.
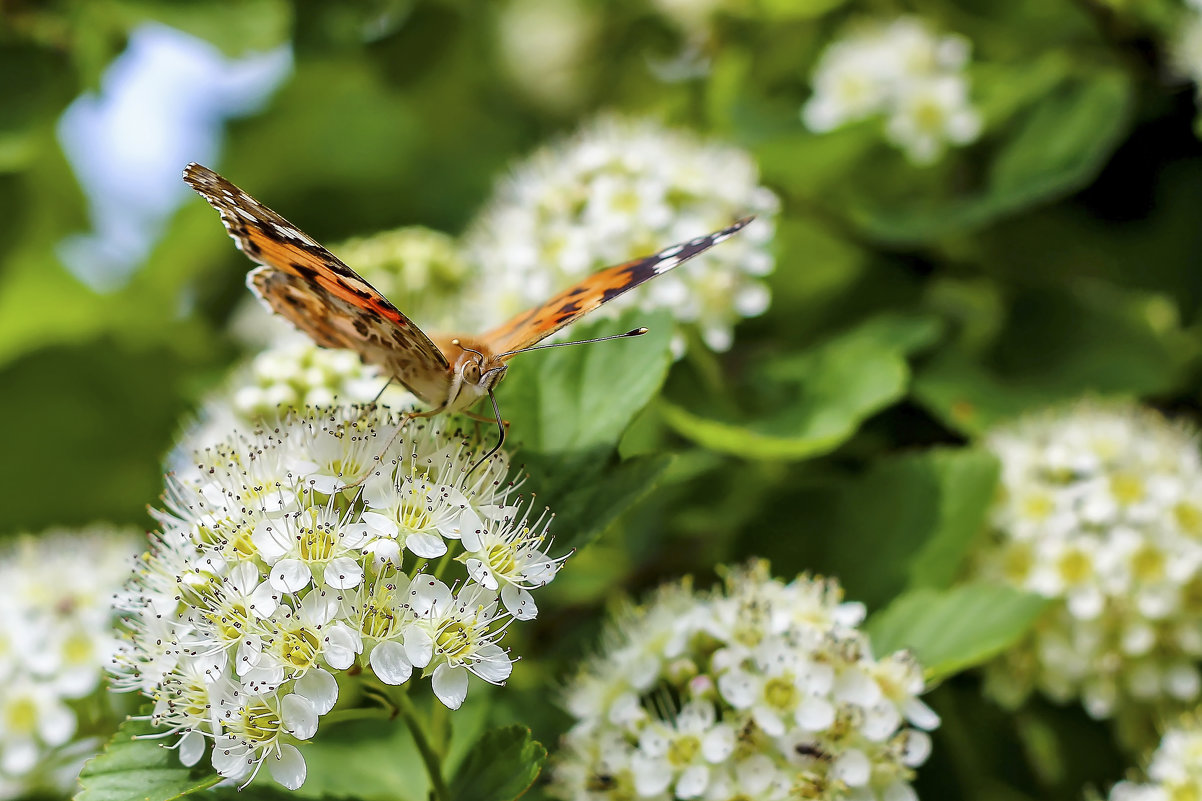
905 71
303 374
55 643
1175 770
333 543
766 691
290 375
1101 510
621 189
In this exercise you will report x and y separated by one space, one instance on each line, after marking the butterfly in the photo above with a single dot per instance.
307 284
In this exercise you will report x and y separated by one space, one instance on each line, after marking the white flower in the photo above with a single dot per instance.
1100 511
510 555
902 70
770 677
462 636
621 189
546 46
277 579
1175 769
931 114
682 752
55 642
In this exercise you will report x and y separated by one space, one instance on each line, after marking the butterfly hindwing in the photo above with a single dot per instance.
538 323
319 294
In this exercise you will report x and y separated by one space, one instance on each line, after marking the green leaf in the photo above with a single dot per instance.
832 389
916 513
967 481
582 397
139 770
500 767
1058 145
952 630
380 755
1090 340
588 491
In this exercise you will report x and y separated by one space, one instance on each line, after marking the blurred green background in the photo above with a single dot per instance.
912 306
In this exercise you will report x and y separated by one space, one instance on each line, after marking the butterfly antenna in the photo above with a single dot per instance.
637 332
500 438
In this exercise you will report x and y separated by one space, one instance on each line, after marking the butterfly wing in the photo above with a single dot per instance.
310 287
534 325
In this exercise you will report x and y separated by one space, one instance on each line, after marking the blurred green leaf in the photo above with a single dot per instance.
955 629
1056 147
588 491
967 481
500 767
237 27
379 755
140 770
1056 347
916 513
832 388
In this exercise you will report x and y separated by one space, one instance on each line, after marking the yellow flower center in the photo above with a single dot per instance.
1127 489
1037 507
1017 561
378 622
683 750
928 116
77 649
259 722
780 693
1148 563
414 517
231 621
317 545
455 640
299 648
1075 567
242 545
22 715
1189 517
503 559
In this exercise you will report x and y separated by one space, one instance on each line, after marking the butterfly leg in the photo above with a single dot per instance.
479 418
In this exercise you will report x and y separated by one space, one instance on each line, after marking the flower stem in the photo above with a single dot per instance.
432 760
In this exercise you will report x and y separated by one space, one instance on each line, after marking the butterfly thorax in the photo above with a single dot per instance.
475 370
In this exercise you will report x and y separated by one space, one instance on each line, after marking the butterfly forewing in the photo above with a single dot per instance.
316 292
538 323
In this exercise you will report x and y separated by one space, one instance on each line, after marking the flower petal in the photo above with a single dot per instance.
288 767
299 716
390 664
450 685
320 687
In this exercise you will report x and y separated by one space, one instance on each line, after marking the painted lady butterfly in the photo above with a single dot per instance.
304 282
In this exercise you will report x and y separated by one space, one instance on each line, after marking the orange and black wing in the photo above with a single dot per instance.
534 325
305 283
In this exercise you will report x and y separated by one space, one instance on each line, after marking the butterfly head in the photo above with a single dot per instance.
476 371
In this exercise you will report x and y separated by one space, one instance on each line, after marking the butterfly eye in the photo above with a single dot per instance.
471 372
